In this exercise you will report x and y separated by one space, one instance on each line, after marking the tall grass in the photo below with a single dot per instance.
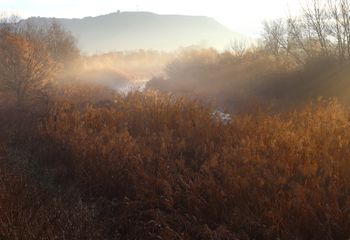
155 166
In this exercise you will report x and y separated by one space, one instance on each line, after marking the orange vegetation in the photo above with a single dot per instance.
151 166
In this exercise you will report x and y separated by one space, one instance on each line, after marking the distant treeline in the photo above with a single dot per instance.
299 58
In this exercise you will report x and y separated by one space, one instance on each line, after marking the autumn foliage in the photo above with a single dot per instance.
25 70
152 166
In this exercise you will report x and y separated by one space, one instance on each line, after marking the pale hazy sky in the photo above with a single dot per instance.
244 16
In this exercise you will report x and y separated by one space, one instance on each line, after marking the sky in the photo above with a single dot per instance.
242 16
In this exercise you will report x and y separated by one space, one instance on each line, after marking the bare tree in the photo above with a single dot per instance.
339 11
239 47
280 39
61 44
317 24
321 31
274 36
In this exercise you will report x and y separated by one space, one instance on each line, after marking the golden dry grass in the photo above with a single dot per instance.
151 166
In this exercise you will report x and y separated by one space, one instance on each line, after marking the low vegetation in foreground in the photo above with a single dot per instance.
152 166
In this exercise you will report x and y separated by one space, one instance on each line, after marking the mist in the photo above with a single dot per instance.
143 125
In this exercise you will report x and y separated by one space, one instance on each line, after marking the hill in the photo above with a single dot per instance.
143 30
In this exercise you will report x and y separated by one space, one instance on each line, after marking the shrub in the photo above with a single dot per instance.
169 168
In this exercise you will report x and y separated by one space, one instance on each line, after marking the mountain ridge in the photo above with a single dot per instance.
143 30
